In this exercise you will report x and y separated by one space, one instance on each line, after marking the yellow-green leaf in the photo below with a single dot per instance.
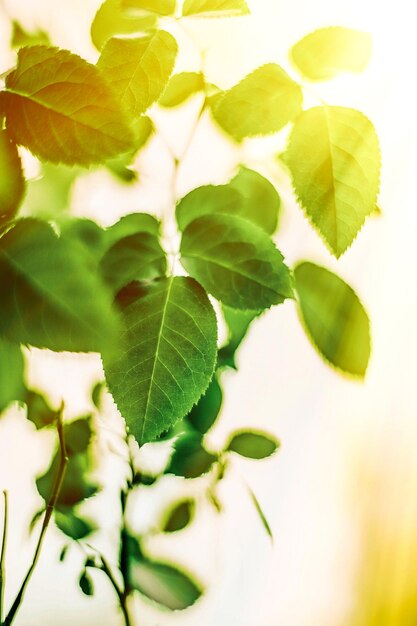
12 183
112 19
181 87
60 107
215 8
11 373
326 52
334 158
160 7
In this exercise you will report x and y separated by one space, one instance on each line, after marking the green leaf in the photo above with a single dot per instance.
253 445
131 224
39 412
11 373
73 525
179 517
49 195
236 262
261 104
167 355
60 107
260 201
111 19
215 8
238 323
190 459
21 37
86 232
138 70
207 200
334 158
203 415
160 582
334 318
160 7
86 584
327 52
261 514
63 553
50 296
120 166
181 87
12 182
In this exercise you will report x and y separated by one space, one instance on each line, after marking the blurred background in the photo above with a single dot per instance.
341 494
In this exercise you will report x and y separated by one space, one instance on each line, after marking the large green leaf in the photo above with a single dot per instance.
181 87
12 183
50 294
236 262
334 318
160 7
113 19
11 373
139 69
167 355
261 104
329 51
215 8
260 202
334 158
60 107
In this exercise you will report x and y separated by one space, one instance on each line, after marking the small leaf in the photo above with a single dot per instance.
111 19
38 410
190 459
162 583
86 584
160 7
181 87
327 52
97 392
11 373
138 70
260 201
253 445
51 296
335 162
261 514
203 415
236 262
179 517
238 323
167 355
215 8
73 525
334 318
21 37
261 104
60 107
12 182
207 200
63 553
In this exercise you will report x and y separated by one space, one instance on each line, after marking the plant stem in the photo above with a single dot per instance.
48 514
122 596
3 554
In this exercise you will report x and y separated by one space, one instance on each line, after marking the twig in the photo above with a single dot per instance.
120 594
3 554
48 514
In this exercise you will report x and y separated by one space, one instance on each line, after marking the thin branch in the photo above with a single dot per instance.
120 594
3 554
48 514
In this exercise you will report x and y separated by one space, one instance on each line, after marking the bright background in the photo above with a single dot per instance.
341 494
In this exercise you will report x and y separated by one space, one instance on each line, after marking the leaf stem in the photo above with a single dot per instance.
48 514
122 596
3 554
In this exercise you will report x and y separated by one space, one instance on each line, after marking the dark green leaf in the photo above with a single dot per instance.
12 183
139 69
238 323
60 107
73 525
260 202
167 355
111 19
189 458
215 8
181 87
11 373
236 262
63 553
334 318
329 51
253 445
334 158
179 517
261 104
50 295
203 415
86 584
38 410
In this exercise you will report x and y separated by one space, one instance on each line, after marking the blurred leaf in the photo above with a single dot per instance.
97 392
48 196
261 514
54 120
73 525
78 435
181 87
215 8
167 355
120 166
207 200
86 584
21 37
260 202
111 19
162 583
261 104
203 415
238 323
86 232
253 445
12 182
50 295
334 318
189 458
11 373
139 69
38 410
160 7
236 262
131 224
180 516
334 158
35 519
63 553
327 52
